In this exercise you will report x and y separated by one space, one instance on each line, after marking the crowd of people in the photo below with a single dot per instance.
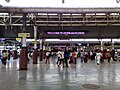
66 57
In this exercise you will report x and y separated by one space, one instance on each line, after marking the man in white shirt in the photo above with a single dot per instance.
58 55
98 57
47 57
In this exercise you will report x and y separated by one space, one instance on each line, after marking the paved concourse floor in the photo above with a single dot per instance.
89 76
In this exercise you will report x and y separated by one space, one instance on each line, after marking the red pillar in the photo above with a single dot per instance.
23 53
35 56
15 54
23 59
40 55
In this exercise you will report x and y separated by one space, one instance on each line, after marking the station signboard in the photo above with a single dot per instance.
66 32
23 34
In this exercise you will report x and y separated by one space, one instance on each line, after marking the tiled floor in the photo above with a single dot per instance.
52 77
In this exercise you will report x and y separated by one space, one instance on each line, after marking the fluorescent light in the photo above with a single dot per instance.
84 40
52 39
77 39
4 14
29 40
106 39
116 40
91 40
58 40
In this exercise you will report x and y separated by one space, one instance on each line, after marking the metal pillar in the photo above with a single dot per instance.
23 53
112 45
40 54
15 56
35 55
101 47
42 50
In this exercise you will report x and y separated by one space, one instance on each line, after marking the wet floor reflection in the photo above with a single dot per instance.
51 77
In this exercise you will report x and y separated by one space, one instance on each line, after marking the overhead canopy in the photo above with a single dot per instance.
99 22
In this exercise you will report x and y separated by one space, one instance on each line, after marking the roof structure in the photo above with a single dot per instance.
99 22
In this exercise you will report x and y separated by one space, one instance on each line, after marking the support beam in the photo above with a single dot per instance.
101 46
35 55
112 44
57 10
41 50
23 54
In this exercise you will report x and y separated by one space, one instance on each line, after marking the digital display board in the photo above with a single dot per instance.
65 33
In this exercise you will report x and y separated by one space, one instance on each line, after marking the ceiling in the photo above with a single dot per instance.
98 22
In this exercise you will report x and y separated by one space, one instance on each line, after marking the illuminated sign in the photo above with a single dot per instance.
66 33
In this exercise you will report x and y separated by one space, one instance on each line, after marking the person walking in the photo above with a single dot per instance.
113 55
4 57
47 57
66 57
98 57
58 57
82 56
85 56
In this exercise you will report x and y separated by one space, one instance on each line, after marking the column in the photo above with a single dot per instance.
101 47
44 49
23 54
40 52
15 52
4 45
112 44
35 55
